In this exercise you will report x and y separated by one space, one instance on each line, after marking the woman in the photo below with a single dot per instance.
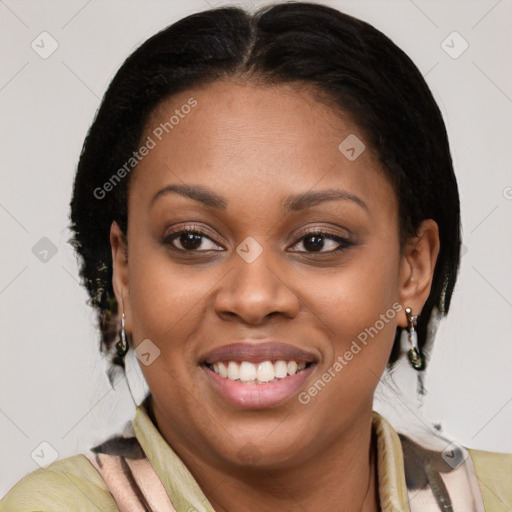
263 205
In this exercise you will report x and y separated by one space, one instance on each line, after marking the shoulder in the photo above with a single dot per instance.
494 473
492 461
67 484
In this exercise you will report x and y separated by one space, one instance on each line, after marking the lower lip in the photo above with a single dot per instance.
258 396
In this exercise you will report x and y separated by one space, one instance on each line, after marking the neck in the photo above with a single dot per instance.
334 482
342 477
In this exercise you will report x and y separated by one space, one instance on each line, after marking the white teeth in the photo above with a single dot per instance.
233 371
247 372
223 371
257 373
292 368
265 372
281 369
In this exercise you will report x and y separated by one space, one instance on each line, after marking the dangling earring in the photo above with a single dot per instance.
414 354
121 346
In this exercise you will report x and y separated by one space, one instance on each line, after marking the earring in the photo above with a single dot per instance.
121 346
414 354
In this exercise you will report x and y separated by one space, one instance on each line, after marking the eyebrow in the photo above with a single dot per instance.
311 198
195 192
292 203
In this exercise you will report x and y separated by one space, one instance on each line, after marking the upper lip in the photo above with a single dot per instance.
257 351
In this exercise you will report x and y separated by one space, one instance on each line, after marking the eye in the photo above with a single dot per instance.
194 239
190 239
318 240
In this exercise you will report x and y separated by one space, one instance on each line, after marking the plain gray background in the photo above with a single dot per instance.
53 388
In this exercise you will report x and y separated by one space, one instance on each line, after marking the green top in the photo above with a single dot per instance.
74 484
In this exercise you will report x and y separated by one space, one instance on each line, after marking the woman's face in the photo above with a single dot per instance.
293 283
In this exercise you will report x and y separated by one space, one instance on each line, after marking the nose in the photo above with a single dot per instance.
253 292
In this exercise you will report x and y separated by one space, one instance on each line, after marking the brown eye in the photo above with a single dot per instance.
314 242
190 240
317 241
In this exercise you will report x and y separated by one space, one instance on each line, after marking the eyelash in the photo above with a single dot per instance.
344 243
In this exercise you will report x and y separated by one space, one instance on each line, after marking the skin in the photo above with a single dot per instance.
254 145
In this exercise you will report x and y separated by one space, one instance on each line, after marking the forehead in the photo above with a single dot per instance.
256 139
232 119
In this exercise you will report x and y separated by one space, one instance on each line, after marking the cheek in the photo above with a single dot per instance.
165 305
164 297
359 308
353 297
362 318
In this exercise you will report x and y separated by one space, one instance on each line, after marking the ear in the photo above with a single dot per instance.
120 272
417 264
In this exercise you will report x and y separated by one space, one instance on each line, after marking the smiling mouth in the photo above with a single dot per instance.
265 372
